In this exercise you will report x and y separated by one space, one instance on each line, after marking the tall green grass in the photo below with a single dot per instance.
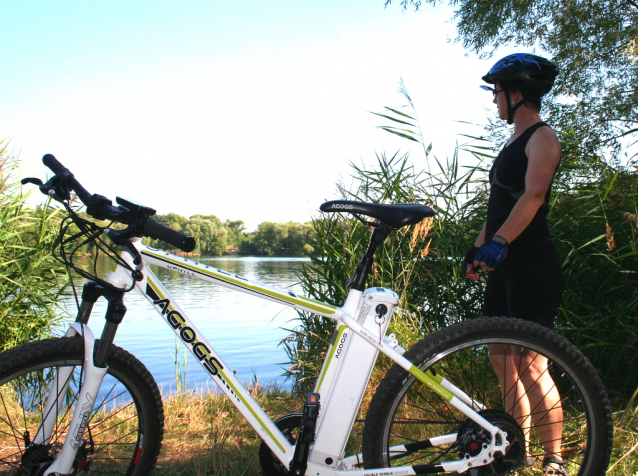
593 221
420 262
31 281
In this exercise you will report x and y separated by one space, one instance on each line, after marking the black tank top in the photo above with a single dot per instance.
507 185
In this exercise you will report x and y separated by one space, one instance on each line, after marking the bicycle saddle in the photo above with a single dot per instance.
396 216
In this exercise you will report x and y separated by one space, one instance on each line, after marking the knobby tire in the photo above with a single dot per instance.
403 411
125 428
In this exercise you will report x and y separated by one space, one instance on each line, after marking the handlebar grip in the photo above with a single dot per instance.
170 236
56 167
50 161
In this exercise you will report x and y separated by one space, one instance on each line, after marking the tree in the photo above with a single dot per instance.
595 44
268 238
172 220
300 239
236 232
279 239
212 235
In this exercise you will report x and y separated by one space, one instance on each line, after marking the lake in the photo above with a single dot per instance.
246 331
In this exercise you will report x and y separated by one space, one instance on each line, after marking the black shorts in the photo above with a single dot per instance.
528 286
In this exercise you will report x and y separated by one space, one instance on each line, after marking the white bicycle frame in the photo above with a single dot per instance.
359 335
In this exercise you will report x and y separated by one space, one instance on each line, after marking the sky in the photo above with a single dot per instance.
247 110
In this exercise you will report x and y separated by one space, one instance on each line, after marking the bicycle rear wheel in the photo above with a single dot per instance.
125 428
529 380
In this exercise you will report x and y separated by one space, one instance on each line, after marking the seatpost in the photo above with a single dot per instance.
360 276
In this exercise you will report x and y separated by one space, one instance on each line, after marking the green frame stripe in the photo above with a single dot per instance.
247 405
431 383
308 303
157 291
233 387
342 329
437 378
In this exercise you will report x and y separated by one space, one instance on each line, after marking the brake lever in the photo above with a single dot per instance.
48 188
33 180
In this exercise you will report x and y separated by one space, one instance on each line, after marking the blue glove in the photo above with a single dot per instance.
492 253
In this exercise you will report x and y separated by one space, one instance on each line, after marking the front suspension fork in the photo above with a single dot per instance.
93 377
94 370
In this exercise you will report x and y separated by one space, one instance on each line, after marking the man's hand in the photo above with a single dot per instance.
468 263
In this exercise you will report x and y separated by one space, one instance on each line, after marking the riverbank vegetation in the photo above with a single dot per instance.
593 221
205 435
31 281
216 238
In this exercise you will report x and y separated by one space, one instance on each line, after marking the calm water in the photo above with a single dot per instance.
246 331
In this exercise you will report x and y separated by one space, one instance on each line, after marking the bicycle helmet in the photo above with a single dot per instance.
536 72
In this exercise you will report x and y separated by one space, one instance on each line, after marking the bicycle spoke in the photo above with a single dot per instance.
110 443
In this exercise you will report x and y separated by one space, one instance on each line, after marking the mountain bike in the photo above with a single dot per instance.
79 404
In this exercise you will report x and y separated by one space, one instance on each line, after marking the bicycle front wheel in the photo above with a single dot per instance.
520 376
125 428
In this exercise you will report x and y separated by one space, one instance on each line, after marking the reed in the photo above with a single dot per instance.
593 221
420 262
31 281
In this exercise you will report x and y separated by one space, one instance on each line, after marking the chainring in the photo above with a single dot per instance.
289 426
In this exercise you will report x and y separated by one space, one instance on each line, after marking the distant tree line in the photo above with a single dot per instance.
215 238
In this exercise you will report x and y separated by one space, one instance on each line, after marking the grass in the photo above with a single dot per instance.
31 281
206 435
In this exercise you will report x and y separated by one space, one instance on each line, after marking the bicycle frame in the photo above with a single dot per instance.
359 335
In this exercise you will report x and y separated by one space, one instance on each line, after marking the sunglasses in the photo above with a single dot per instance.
493 90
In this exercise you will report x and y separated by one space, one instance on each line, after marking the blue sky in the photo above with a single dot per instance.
246 110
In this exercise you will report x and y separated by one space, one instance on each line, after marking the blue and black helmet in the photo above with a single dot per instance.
536 71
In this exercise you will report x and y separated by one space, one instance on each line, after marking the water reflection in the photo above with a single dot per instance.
244 329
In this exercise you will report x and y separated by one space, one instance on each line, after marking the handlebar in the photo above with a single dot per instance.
102 208
65 175
168 235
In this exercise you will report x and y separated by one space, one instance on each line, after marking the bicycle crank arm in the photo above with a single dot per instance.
93 377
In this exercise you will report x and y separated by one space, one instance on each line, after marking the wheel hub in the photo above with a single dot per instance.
472 439
37 458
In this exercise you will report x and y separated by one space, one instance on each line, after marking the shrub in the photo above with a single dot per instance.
31 281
